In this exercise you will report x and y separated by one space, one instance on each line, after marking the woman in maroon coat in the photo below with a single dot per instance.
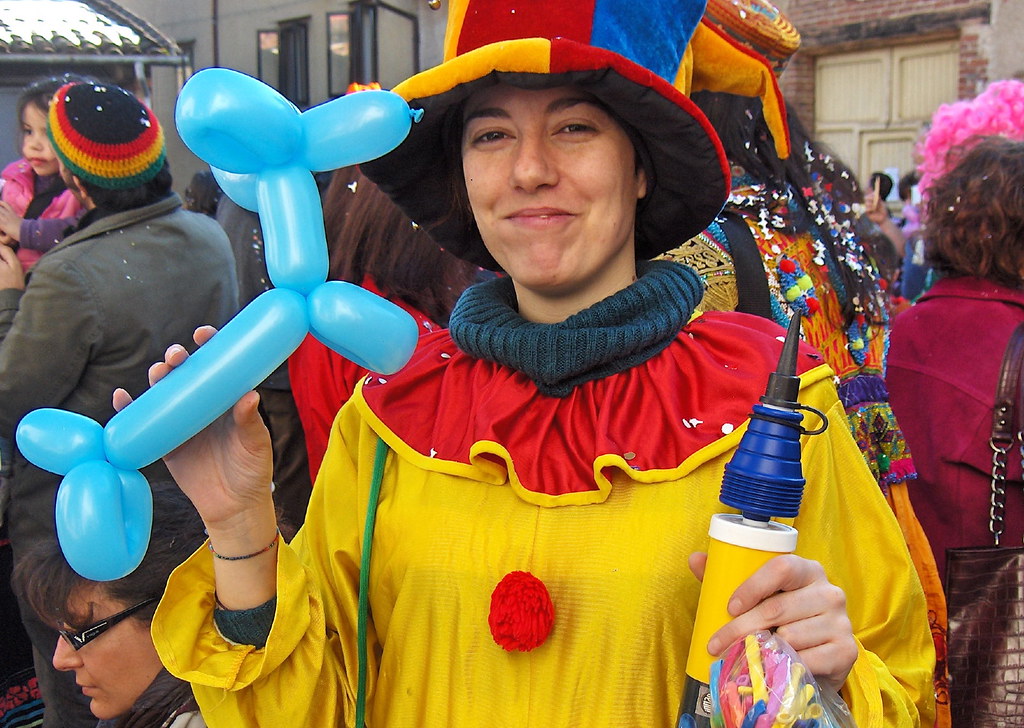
947 349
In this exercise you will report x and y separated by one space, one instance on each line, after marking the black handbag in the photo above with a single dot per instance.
985 585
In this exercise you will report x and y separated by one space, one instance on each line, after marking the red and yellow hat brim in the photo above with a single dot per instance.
688 168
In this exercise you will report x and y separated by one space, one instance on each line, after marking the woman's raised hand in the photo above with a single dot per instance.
226 469
792 596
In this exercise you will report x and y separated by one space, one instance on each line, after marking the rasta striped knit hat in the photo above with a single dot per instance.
105 136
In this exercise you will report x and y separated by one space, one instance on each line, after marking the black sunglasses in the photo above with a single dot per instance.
81 638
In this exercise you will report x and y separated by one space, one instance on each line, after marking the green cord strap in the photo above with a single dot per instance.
364 578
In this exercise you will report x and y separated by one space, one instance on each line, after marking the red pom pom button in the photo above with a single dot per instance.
521 612
787 266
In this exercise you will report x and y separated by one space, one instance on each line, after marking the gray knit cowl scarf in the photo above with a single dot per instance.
613 335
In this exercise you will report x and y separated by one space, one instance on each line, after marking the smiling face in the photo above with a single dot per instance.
115 668
553 182
35 144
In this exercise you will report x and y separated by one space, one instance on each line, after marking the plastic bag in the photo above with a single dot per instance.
761 683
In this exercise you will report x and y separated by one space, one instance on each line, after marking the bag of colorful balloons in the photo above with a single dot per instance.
761 683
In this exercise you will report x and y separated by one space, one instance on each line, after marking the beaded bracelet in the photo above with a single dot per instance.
265 549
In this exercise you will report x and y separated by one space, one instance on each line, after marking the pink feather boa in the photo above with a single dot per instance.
956 127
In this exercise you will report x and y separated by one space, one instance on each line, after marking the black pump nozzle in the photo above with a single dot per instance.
783 384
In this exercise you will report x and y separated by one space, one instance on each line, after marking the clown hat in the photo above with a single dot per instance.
626 54
742 47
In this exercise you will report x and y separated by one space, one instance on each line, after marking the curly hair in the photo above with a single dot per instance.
974 218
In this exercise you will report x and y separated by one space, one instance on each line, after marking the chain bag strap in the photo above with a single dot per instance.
985 585
1006 427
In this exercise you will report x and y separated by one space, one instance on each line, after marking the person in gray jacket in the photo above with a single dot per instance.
137 274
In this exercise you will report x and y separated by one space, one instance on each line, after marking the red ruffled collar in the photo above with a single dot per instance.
461 415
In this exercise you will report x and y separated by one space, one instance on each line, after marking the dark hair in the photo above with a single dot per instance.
203 193
49 584
129 198
811 168
740 125
459 215
884 184
906 184
368 236
38 93
974 219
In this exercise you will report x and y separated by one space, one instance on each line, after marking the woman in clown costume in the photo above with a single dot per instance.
507 531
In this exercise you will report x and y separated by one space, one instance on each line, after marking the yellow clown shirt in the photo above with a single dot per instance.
601 495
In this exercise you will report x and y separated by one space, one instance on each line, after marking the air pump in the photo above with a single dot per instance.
763 480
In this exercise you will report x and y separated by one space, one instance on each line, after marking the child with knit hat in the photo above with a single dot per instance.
134 274
36 206
502 532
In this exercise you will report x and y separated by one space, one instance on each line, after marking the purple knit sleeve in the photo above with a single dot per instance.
41 235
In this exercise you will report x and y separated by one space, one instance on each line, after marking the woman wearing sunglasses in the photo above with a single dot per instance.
104 626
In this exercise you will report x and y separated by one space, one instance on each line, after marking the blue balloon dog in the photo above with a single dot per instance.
263 152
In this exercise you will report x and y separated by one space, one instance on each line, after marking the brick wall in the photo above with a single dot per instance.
826 13
797 84
839 26
974 61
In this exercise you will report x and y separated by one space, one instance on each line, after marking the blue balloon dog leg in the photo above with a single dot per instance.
263 151
239 356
